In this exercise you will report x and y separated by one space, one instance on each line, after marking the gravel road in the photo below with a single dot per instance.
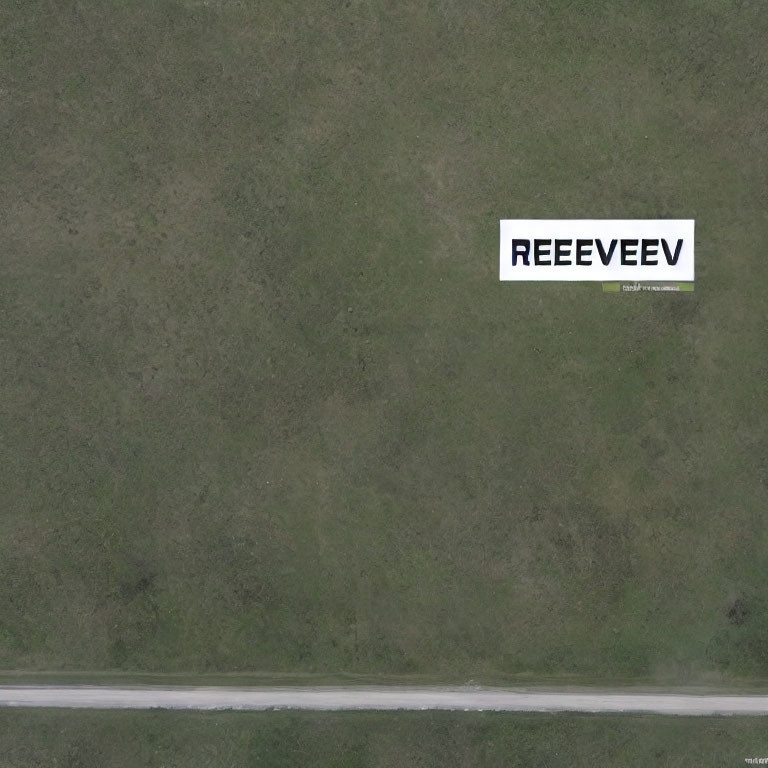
378 698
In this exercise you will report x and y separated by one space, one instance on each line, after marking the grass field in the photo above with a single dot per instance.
264 405
366 740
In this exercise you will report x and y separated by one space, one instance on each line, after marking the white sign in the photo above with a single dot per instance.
597 249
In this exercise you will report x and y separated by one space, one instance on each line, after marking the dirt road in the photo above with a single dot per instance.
378 698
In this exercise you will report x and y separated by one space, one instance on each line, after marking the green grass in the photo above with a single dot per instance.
112 739
264 405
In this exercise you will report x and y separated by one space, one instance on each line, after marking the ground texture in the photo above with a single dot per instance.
263 402
365 740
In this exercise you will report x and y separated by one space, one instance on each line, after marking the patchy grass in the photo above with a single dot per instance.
113 739
264 405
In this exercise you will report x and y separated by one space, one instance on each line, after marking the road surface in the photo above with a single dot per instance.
377 698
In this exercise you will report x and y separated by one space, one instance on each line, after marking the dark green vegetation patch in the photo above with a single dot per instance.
264 404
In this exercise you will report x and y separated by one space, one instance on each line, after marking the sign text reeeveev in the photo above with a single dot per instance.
597 249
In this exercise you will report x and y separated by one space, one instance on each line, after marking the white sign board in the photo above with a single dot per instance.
597 249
